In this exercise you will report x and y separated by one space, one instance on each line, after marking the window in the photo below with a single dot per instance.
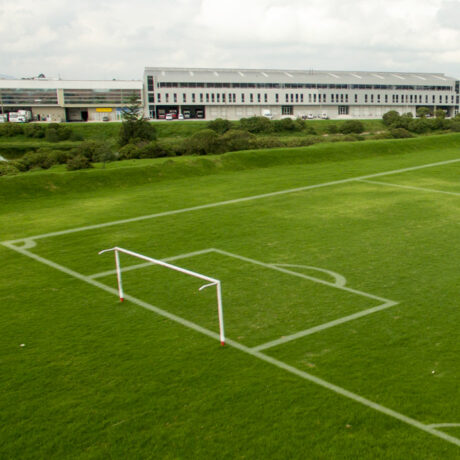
265 97
159 97
332 98
218 97
242 97
277 97
287 110
193 97
297 97
258 97
292 97
341 98
152 98
343 109
213 97
301 97
372 98
251 97
346 98
314 97
309 97
287 97
184 97
150 83
223 97
207 97
201 97
356 98
386 98
365 98
167 97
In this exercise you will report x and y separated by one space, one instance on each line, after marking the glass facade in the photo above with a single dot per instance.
99 96
25 96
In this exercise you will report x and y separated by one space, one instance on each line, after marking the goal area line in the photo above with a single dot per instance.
256 354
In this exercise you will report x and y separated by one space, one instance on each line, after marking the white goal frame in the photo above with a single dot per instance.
211 281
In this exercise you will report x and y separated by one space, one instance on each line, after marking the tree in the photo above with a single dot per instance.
103 154
423 112
391 118
440 113
135 127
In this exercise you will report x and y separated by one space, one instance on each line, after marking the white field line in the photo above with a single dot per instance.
339 279
268 359
237 200
148 264
322 327
301 275
444 425
410 187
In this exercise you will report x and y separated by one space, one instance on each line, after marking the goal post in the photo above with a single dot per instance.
209 280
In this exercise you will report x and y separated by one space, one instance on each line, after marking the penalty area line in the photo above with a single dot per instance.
257 354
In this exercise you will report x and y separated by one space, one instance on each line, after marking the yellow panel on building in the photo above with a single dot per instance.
104 109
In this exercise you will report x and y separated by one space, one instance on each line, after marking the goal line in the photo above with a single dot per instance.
211 281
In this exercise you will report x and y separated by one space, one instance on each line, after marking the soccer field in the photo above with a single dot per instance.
340 288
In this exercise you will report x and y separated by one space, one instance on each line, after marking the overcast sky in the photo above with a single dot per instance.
105 39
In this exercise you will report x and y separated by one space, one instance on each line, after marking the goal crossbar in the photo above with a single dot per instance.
210 281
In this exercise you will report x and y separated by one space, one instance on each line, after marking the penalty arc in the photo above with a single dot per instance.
210 281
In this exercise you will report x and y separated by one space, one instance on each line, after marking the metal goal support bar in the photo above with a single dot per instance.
211 281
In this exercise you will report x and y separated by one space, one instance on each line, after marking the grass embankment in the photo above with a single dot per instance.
124 174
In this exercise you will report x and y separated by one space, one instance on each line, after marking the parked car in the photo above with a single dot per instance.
169 116
181 117
310 116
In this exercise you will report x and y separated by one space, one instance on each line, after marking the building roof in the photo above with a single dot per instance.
70 84
166 74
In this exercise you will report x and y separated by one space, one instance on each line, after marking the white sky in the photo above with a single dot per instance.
104 39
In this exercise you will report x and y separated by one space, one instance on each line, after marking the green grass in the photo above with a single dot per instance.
102 379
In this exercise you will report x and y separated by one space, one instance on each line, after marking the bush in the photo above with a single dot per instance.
78 162
285 124
352 127
419 126
33 130
332 129
219 125
256 125
91 149
267 142
57 133
134 131
236 139
11 129
400 133
129 152
33 160
455 126
8 168
390 118
203 142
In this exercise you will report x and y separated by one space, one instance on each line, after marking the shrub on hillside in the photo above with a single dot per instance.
57 133
390 118
236 139
78 162
219 125
156 149
90 149
34 130
352 127
129 152
256 125
8 168
33 160
285 124
400 133
11 129
203 142
455 126
332 129
135 131
266 142
419 126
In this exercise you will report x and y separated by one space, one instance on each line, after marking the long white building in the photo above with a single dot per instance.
233 94
237 93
